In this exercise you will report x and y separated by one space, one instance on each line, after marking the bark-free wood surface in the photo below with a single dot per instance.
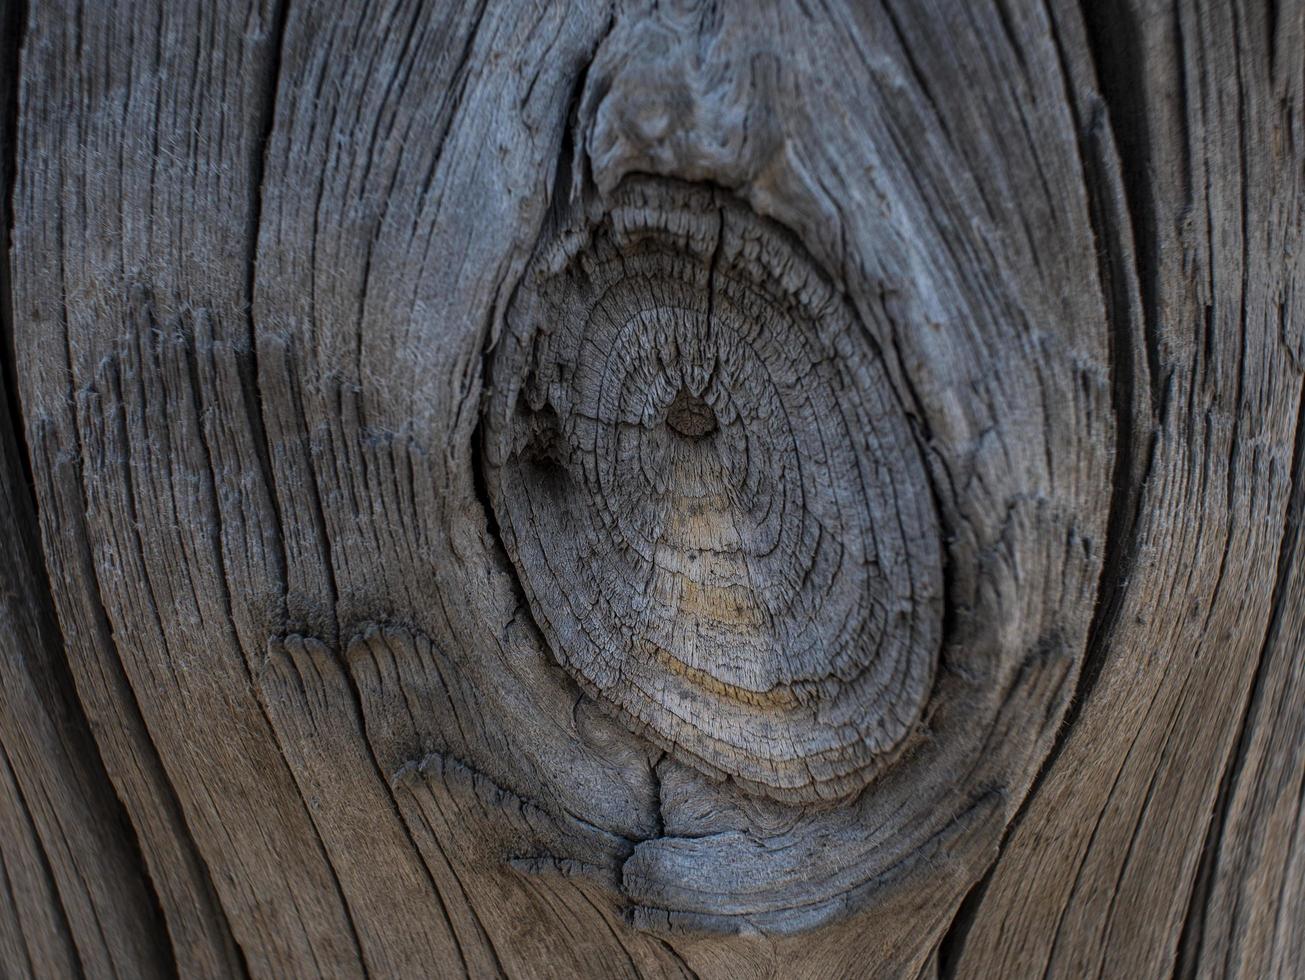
577 489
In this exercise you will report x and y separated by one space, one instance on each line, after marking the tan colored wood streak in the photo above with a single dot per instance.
403 924
34 934
1248 919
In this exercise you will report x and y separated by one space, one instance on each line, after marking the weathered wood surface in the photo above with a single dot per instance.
72 892
706 490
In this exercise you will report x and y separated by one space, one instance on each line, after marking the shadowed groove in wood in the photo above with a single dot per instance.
13 24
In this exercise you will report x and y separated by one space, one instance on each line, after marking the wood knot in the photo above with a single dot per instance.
733 547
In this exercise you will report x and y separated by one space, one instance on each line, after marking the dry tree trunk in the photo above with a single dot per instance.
720 490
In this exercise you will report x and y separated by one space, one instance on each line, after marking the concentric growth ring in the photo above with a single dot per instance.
712 496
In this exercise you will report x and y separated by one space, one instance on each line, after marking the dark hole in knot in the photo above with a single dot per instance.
541 441
690 416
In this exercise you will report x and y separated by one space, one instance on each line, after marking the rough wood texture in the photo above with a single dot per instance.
73 896
72 893
694 489
713 498
1208 124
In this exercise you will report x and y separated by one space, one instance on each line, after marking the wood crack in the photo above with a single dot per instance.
13 24
1106 166
251 376
1104 171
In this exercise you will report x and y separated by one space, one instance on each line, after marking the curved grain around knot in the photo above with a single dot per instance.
712 496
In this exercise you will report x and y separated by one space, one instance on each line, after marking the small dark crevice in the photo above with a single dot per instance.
541 440
572 175
1271 32
481 489
918 76
1191 939
1012 36
713 266
265 119
479 467
458 87
659 815
952 943
680 962
568 163
690 416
